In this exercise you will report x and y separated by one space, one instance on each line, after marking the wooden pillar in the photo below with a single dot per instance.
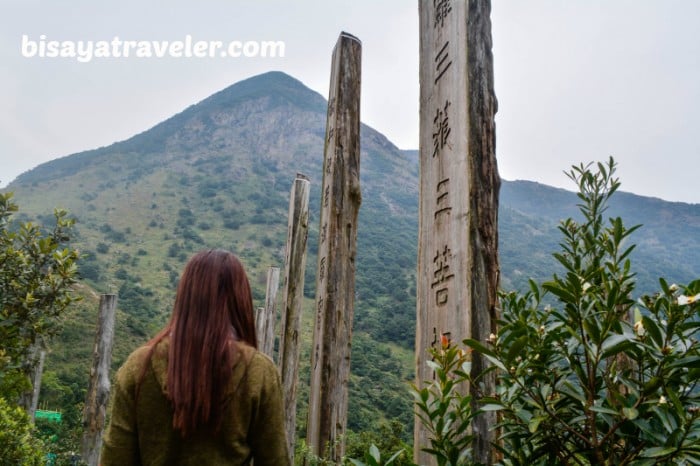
36 384
295 266
33 368
458 268
273 285
260 327
98 388
266 316
335 281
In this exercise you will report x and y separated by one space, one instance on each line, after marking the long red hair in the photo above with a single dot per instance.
213 309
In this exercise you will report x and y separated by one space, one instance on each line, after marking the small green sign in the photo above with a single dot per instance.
53 416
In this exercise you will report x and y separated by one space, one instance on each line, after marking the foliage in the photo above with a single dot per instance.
444 406
62 439
374 458
36 275
371 402
387 439
17 445
580 382
304 456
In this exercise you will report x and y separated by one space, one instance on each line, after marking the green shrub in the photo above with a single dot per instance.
17 444
444 406
597 378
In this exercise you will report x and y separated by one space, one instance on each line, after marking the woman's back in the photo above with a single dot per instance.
141 430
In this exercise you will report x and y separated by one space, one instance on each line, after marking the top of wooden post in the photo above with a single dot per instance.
350 36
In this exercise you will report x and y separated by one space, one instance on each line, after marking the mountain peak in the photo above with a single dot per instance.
273 84
273 89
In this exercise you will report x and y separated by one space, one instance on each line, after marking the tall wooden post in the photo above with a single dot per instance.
34 361
36 384
267 316
273 285
260 327
295 266
458 268
98 388
335 281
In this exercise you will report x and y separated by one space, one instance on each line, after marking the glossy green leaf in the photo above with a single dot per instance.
615 344
657 452
652 330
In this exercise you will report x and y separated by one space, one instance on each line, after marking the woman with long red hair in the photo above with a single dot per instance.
199 392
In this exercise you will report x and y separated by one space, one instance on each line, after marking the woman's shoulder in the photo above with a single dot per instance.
253 366
132 367
254 357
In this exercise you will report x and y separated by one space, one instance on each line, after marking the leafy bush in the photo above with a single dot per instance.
232 224
174 249
116 236
595 379
374 458
387 439
89 268
444 410
17 445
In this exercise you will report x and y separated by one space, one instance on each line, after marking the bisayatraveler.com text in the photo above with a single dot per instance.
85 51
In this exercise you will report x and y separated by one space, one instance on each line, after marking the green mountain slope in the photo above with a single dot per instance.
218 174
667 243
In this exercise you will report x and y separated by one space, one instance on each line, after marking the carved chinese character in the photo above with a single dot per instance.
442 266
322 268
323 233
317 346
441 274
326 196
441 127
441 9
330 134
442 296
442 62
442 197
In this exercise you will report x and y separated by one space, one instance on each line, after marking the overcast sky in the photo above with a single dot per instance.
576 80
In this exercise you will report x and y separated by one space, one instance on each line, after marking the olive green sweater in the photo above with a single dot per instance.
141 433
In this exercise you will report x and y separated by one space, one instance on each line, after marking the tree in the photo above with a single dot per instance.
37 272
